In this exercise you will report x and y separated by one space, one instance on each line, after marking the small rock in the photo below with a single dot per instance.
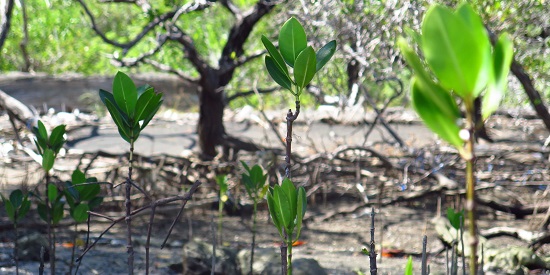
262 258
197 259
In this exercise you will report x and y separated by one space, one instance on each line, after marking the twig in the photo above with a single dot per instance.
372 251
424 256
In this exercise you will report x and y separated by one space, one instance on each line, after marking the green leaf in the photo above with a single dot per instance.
276 55
434 117
274 212
48 159
292 40
41 137
78 177
452 52
42 211
25 206
301 210
123 128
42 133
88 192
277 74
142 89
151 110
305 67
56 138
502 58
80 213
16 198
325 54
245 166
52 192
10 210
283 207
57 212
438 95
290 191
95 202
257 176
145 99
409 266
125 93
455 218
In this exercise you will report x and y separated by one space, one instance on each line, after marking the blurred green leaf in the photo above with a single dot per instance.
292 40
52 192
25 206
304 69
48 159
78 177
16 198
125 93
10 210
56 138
325 54
274 212
57 212
301 210
409 266
455 218
502 59
80 213
434 117
95 202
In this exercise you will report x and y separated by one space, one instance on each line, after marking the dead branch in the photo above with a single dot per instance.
520 234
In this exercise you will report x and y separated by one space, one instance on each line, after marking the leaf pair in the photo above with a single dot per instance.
55 212
81 194
254 181
295 52
131 108
17 205
48 146
457 49
287 207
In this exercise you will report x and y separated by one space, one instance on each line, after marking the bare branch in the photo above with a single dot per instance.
198 5
168 69
249 93
191 53
143 4
131 62
126 46
228 4
242 60
6 22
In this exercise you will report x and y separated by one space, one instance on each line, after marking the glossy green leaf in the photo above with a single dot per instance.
41 139
42 211
52 192
42 133
123 128
56 138
301 205
502 58
142 89
409 266
16 198
305 67
80 213
145 99
276 55
325 54
438 95
452 52
125 93
48 159
89 191
434 117
151 110
277 74
283 207
274 212
292 40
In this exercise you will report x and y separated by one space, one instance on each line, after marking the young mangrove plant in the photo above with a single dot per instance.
254 181
459 63
131 109
221 180
287 205
50 209
17 206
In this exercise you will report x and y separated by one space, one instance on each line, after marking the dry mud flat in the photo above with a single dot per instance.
335 242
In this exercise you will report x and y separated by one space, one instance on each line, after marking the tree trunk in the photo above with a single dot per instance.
5 23
210 128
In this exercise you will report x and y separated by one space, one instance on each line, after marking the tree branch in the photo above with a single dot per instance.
249 93
191 53
228 4
143 4
168 69
6 23
198 5
126 46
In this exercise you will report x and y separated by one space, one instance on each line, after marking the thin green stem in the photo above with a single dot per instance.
51 241
220 221
255 210
469 157
289 256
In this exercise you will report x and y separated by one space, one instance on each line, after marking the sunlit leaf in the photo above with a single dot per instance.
434 117
502 58
452 52
282 206
290 191
277 74
274 212
455 218
125 93
409 266
325 54
292 40
276 55
56 138
305 67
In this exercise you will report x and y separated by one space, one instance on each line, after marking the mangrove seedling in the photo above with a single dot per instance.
17 206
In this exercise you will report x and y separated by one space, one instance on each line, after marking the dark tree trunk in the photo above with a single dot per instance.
210 128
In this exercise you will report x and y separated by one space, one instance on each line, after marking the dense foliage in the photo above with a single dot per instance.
61 39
